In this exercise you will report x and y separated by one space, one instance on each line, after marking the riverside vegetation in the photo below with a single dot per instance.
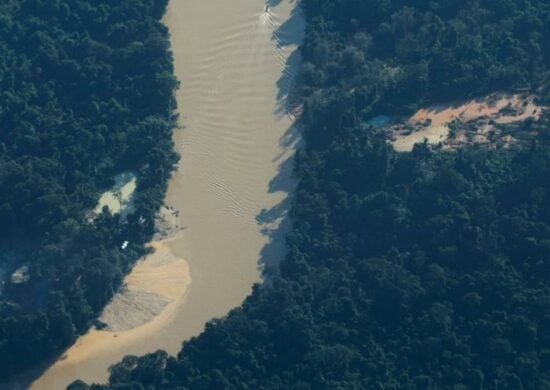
228 196
420 270
86 93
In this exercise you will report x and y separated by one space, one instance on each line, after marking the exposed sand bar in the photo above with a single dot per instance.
235 63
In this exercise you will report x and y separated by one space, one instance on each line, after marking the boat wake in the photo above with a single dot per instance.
232 187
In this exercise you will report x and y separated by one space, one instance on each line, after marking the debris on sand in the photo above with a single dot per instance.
495 120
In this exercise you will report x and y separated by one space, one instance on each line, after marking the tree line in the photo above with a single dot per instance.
86 92
421 270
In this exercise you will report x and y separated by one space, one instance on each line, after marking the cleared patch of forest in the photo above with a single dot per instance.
496 120
420 270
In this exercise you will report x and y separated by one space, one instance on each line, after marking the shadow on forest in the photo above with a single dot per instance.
24 380
275 222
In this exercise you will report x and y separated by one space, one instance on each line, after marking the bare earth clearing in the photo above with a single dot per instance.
499 119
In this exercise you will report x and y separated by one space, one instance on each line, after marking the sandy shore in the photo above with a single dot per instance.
151 298
235 63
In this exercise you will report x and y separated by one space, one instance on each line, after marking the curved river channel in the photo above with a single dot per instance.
235 61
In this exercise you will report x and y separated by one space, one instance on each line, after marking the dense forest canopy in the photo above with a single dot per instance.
420 270
86 92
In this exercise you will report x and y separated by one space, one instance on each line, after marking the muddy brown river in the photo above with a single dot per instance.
235 62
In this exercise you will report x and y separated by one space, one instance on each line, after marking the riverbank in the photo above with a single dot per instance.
235 63
159 277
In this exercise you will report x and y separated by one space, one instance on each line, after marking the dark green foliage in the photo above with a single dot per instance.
425 49
424 270
86 92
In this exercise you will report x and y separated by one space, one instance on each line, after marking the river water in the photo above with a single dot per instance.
235 62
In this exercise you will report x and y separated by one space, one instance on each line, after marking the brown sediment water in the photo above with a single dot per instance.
229 196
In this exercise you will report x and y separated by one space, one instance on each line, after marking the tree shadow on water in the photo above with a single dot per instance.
288 36
275 222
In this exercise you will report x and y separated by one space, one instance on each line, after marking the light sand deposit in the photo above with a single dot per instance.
119 198
151 298
433 123
489 106
432 134
235 63
154 283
